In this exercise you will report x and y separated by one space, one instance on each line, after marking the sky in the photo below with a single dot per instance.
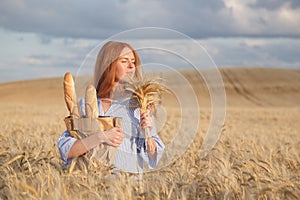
47 38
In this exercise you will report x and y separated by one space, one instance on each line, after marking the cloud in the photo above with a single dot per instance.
54 59
275 4
47 38
61 19
198 19
44 39
262 52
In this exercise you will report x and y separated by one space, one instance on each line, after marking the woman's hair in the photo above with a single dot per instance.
105 67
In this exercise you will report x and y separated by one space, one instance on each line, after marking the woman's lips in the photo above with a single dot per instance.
129 73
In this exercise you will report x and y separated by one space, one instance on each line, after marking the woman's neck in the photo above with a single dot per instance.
106 99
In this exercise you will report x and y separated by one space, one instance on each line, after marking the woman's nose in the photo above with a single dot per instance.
131 65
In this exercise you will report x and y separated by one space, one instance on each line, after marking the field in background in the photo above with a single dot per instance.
256 157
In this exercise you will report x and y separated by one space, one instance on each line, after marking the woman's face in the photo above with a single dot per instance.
125 64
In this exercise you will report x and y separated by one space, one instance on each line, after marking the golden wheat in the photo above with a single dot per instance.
256 157
147 92
239 167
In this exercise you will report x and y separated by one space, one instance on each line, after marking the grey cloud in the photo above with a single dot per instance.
282 50
268 4
294 3
194 5
194 18
40 56
102 19
55 62
272 53
289 54
275 4
44 39
57 18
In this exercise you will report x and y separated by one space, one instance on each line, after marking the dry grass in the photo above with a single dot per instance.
257 157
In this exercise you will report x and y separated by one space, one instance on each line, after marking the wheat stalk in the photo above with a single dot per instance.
147 94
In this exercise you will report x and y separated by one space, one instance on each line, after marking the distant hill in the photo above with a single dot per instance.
244 87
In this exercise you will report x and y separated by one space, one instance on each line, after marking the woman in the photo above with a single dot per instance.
115 62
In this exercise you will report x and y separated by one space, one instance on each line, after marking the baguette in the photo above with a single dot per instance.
91 104
70 95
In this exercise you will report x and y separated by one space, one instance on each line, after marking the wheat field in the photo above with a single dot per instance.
256 157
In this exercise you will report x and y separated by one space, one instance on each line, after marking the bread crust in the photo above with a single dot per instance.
91 104
70 95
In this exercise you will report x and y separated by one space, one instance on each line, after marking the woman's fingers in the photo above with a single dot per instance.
146 124
114 136
118 136
145 115
146 120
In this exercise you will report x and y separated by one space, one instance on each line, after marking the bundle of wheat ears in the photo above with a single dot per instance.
147 94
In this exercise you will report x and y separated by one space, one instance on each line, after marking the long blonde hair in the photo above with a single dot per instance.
105 67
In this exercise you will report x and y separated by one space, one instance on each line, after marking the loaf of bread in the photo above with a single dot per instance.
70 95
91 104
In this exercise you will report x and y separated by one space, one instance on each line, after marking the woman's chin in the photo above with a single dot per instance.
130 75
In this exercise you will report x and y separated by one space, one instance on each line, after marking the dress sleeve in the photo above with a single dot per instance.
159 149
65 143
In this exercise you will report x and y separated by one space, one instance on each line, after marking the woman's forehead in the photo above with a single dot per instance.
126 53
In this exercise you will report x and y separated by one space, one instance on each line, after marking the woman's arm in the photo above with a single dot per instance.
154 145
77 149
112 137
70 147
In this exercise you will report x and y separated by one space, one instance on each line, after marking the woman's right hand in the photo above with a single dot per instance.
113 137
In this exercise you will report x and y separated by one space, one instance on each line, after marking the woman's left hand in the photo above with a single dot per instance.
146 121
151 146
